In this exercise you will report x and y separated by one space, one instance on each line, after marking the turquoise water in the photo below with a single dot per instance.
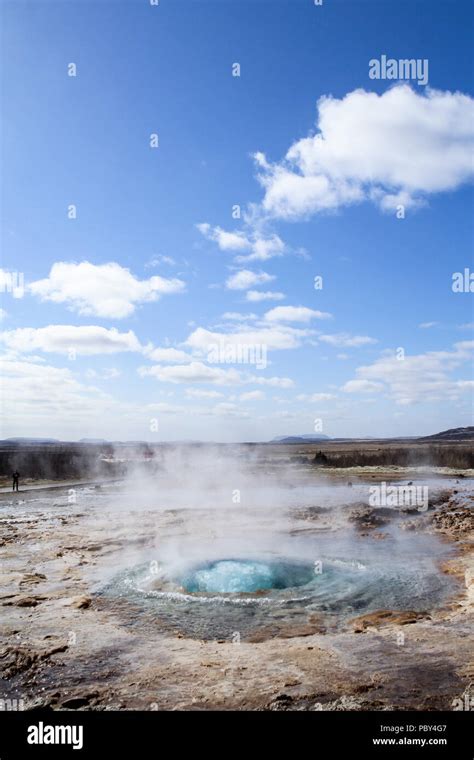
230 576
212 600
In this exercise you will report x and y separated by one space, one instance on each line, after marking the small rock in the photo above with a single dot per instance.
24 601
81 602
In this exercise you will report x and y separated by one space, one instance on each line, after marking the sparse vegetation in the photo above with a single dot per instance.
455 455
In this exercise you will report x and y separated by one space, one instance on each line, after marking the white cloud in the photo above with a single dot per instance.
109 373
245 278
345 340
362 386
235 316
196 393
156 261
272 382
36 394
427 325
104 290
198 372
63 339
227 241
397 147
252 396
256 246
255 296
168 355
194 372
263 249
316 397
227 409
165 408
423 377
294 314
273 337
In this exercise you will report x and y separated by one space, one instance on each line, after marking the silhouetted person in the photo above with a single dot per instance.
16 478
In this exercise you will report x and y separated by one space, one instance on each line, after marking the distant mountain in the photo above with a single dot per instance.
306 438
454 434
92 440
30 440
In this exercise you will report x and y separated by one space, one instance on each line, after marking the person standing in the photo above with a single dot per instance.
16 478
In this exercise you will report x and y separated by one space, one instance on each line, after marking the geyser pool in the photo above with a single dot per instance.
273 596
234 576
266 572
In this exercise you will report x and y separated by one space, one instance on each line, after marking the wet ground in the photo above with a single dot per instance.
97 609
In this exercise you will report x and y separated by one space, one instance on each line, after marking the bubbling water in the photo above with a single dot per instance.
231 576
215 598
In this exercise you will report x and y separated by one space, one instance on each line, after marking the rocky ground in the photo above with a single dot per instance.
64 647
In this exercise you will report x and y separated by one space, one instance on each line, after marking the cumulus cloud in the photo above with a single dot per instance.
274 337
168 355
316 397
257 247
294 314
252 396
362 386
254 296
227 409
198 372
104 290
236 316
109 373
197 393
245 278
158 260
263 249
346 340
194 372
164 408
36 394
395 148
227 241
423 377
62 339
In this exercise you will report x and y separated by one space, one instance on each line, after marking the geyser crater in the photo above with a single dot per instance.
245 576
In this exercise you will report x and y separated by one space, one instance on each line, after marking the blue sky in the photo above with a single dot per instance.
322 161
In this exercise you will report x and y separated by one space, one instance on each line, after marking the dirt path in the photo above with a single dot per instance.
48 486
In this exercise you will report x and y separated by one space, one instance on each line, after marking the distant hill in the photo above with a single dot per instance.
92 440
454 434
307 438
28 441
